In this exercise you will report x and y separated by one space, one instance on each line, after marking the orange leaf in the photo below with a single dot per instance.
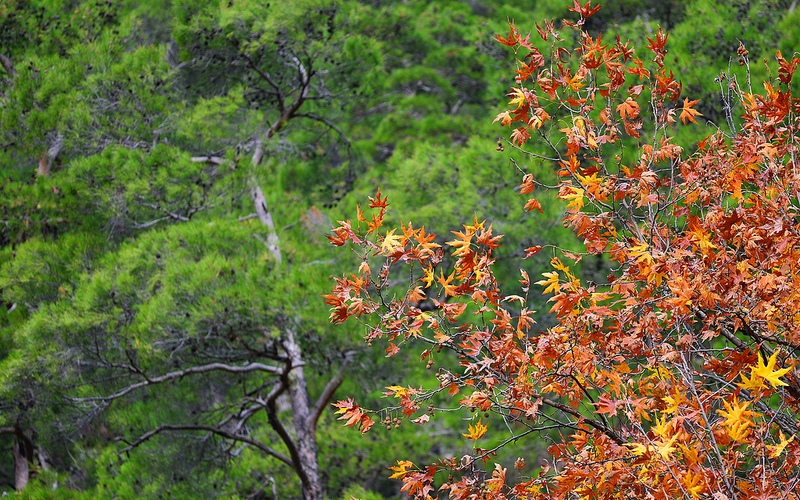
628 109
688 114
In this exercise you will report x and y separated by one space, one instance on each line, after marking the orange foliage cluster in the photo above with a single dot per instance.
677 378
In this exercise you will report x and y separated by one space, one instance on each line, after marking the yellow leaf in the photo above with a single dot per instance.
449 288
775 450
391 242
428 278
400 469
518 97
462 243
663 427
551 282
398 391
638 449
768 371
737 418
666 448
694 483
640 253
674 402
476 431
575 198
753 383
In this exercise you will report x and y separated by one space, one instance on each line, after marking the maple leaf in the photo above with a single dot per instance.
737 418
551 282
422 419
463 243
575 197
428 278
663 448
449 289
531 251
539 117
657 46
518 97
520 136
607 406
628 109
688 114
768 371
401 469
786 68
354 415
391 242
775 450
476 431
512 36
377 202
397 391
694 484
526 70
504 118
753 383
585 11
525 42
674 402
528 184
525 281
533 204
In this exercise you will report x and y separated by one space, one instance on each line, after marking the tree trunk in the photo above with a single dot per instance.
306 439
21 466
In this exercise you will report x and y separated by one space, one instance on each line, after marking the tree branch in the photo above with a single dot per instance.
297 464
321 119
26 441
329 390
252 367
268 79
208 428
608 431
7 65
264 215
216 160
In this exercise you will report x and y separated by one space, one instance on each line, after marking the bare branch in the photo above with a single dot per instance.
264 215
329 390
145 225
266 76
7 65
216 160
277 425
327 122
208 428
171 215
252 367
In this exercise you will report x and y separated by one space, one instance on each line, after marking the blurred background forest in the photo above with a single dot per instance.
170 170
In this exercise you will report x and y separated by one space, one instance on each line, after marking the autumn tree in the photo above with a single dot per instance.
672 377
